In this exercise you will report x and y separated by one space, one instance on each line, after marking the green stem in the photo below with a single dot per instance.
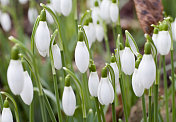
102 113
31 112
144 108
165 88
42 107
150 105
106 41
98 110
156 103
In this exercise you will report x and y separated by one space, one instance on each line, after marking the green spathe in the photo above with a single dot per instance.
113 59
67 80
43 15
104 72
80 36
15 52
6 103
147 48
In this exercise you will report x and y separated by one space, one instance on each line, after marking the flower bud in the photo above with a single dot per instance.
92 30
5 22
32 15
114 12
66 7
105 10
57 57
57 5
6 113
99 32
49 18
96 14
114 66
173 26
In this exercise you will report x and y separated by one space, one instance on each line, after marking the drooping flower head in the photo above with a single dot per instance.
114 11
113 64
96 12
99 32
57 56
5 22
6 112
155 36
66 7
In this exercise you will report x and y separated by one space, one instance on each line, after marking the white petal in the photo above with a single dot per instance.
68 101
163 42
128 61
7 115
23 1
99 32
32 15
114 12
116 72
48 15
105 92
4 2
173 25
57 57
147 71
81 56
118 90
93 83
42 38
96 15
105 10
154 38
5 22
66 7
15 76
57 5
88 35
136 84
27 92
92 32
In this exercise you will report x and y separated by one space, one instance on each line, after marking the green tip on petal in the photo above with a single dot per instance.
80 36
15 52
104 72
155 31
43 15
67 80
113 59
6 103
96 3
147 48
121 46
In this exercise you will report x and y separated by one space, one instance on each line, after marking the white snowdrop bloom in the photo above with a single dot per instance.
116 71
15 76
137 84
56 5
7 115
32 15
173 26
92 32
66 7
68 101
93 83
5 22
114 12
88 35
57 57
163 42
23 1
105 10
128 61
99 32
48 15
27 92
105 91
4 2
81 56
96 15
42 38
154 38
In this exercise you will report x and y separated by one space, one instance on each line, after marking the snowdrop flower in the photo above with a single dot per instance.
6 113
42 36
48 15
66 7
114 66
163 41
128 60
81 54
5 22
99 32
57 57
147 68
155 36
173 26
92 30
32 15
105 10
136 82
27 92
4 2
56 5
68 98
23 1
15 75
114 11
88 33
96 13
93 81
105 89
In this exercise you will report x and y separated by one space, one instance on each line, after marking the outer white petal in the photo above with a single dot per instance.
42 38
4 2
128 61
32 15
163 42
57 57
118 90
5 22
147 71
27 92
23 1
116 72
57 5
88 34
99 33
136 84
68 101
81 56
92 32
7 115
154 38
0 118
114 12
93 83
15 76
66 7
48 15
173 25
105 92
96 15
105 10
